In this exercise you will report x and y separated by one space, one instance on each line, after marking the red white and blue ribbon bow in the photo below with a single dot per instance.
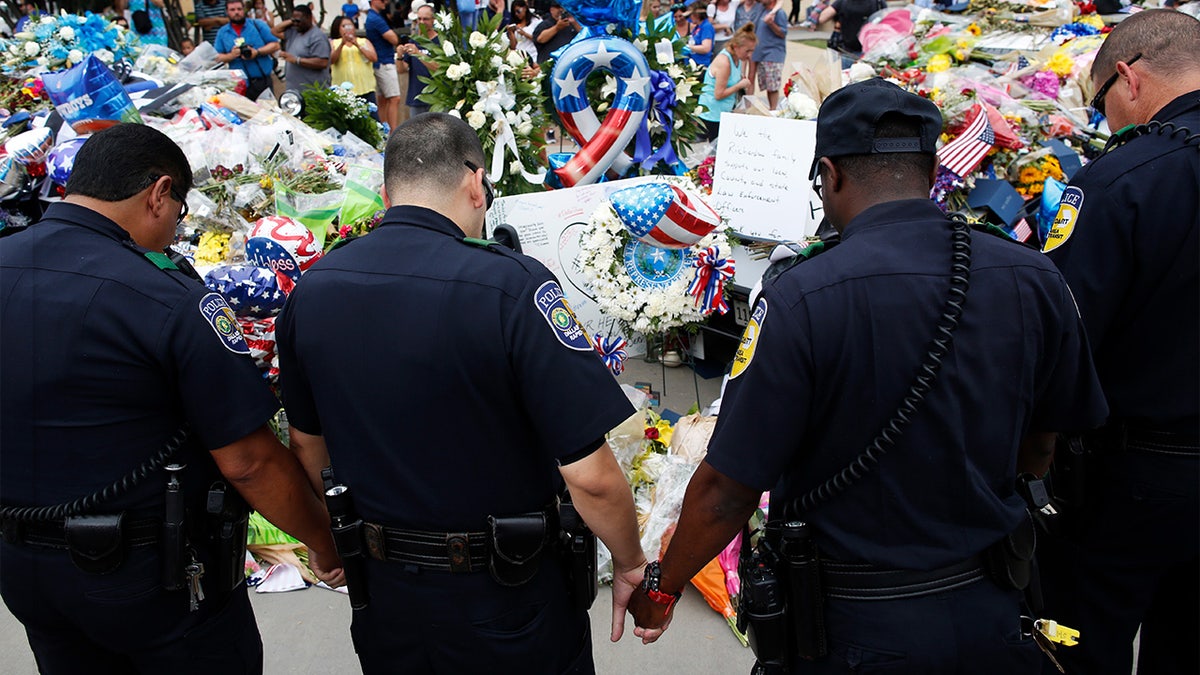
612 352
708 287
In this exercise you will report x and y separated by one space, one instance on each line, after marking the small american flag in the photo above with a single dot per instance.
964 153
1021 231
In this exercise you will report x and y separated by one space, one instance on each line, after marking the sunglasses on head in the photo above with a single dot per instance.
488 190
1098 100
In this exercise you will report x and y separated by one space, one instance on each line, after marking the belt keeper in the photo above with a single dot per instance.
375 540
458 550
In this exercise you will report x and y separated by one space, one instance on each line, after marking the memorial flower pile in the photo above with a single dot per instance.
56 41
474 76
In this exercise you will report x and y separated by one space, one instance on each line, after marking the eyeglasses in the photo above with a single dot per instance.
488 191
1098 100
817 185
182 199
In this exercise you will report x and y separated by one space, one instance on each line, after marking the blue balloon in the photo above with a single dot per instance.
61 159
624 13
250 290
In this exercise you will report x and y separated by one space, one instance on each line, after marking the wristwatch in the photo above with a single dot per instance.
650 585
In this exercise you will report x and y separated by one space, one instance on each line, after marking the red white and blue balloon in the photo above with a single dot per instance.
282 245
61 159
251 291
30 147
601 143
664 215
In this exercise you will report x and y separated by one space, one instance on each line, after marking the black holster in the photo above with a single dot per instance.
515 545
1009 562
782 604
96 543
1068 474
578 546
347 529
229 521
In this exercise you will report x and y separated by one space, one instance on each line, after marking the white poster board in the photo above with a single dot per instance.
760 181
549 225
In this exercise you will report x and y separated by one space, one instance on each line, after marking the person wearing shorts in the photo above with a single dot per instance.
771 29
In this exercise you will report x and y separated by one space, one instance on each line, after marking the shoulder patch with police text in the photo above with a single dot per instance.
217 313
745 351
552 305
1065 220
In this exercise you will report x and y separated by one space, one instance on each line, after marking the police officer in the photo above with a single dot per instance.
830 357
451 422
1126 239
108 351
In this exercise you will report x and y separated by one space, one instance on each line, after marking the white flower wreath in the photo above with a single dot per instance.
647 307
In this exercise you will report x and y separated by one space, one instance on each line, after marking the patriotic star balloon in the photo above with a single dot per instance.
601 142
251 291
664 215
61 159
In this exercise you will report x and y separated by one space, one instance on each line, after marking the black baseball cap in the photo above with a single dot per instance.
846 123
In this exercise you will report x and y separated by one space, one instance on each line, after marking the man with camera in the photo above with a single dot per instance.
247 45
888 392
412 59
308 50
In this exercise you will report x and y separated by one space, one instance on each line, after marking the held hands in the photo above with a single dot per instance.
652 619
327 566
744 85
626 584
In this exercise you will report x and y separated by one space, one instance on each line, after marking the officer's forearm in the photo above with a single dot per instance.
715 507
1036 453
313 455
272 481
601 495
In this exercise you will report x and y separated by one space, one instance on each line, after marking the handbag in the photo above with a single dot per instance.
142 23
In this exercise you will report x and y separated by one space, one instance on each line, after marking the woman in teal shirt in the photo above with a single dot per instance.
724 79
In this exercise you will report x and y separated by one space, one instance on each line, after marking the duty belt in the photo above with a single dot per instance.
1155 442
456 552
860 581
51 534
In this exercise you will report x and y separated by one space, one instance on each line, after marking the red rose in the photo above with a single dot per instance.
652 433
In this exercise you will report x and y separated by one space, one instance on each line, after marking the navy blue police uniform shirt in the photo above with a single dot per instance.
104 357
832 348
446 379
1125 237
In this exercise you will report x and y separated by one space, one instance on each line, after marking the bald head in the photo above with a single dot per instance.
1168 41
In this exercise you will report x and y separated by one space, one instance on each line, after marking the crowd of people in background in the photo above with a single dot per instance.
740 45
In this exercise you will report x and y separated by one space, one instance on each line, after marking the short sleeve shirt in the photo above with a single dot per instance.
1127 241
309 44
771 48
473 381
701 33
105 357
256 34
376 26
206 11
831 351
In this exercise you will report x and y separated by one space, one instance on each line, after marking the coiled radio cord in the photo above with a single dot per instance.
885 440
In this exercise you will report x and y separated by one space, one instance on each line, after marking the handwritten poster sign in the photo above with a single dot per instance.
760 181
549 225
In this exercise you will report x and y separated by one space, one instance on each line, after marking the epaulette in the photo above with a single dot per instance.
1152 128
342 242
807 253
487 244
995 231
